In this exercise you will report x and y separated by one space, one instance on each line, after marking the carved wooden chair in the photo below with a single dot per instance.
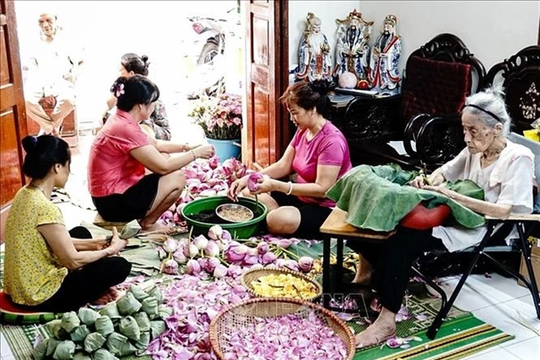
438 78
520 76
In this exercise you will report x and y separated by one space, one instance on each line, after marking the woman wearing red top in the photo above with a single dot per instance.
120 153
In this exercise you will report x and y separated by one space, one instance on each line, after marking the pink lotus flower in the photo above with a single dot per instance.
179 257
305 264
253 181
170 245
200 242
211 264
212 249
215 232
237 253
191 251
220 271
226 235
262 248
170 267
268 258
193 267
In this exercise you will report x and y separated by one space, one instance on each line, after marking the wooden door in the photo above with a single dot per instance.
12 111
266 134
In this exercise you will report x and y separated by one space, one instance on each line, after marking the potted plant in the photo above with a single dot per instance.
220 118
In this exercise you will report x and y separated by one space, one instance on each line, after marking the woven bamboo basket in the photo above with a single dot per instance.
255 274
240 315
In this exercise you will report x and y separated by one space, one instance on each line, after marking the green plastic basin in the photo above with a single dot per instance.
242 230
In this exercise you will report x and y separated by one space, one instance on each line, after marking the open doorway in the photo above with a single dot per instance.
162 30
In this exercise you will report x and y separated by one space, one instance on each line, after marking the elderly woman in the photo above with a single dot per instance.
48 268
318 154
504 171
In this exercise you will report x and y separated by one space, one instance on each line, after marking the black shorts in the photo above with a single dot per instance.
133 204
311 216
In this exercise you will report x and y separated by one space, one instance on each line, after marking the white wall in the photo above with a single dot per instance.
492 31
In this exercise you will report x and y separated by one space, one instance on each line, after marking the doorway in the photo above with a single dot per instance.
105 33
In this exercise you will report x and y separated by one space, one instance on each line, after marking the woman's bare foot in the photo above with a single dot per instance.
364 270
382 329
157 228
107 297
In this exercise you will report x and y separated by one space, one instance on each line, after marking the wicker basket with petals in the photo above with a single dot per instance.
244 314
255 274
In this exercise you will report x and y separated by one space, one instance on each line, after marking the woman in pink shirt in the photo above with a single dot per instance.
121 152
318 154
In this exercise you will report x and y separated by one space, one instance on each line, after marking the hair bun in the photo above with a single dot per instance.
29 144
320 86
144 58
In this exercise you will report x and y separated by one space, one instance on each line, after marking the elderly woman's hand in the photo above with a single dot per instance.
418 182
441 189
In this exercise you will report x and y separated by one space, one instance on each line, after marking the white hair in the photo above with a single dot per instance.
491 101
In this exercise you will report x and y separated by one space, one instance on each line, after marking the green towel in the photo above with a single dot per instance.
377 197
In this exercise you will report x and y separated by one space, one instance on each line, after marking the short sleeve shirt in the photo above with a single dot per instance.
32 273
515 190
111 168
328 147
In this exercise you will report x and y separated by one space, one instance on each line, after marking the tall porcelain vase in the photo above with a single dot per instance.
225 149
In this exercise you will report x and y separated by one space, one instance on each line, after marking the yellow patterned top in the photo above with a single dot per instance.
32 274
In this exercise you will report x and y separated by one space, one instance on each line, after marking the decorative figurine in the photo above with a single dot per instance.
383 74
352 49
314 53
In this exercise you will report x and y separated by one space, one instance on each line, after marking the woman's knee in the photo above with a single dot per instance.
284 220
174 181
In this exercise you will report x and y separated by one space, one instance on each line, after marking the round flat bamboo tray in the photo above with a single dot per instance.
240 315
256 274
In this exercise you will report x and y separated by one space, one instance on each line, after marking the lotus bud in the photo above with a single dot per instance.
180 257
213 162
251 259
252 252
170 267
170 245
253 181
291 264
193 267
280 263
234 271
220 271
262 248
211 264
305 264
200 242
167 215
237 253
191 251
268 258
212 249
284 243
226 235
215 232
183 242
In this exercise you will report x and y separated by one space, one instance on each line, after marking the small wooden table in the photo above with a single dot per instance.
336 226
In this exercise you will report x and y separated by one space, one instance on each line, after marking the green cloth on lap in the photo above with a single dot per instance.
375 197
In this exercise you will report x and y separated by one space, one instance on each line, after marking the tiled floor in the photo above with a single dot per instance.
496 300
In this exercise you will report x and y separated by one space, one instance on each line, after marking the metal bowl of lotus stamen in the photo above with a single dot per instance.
234 213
